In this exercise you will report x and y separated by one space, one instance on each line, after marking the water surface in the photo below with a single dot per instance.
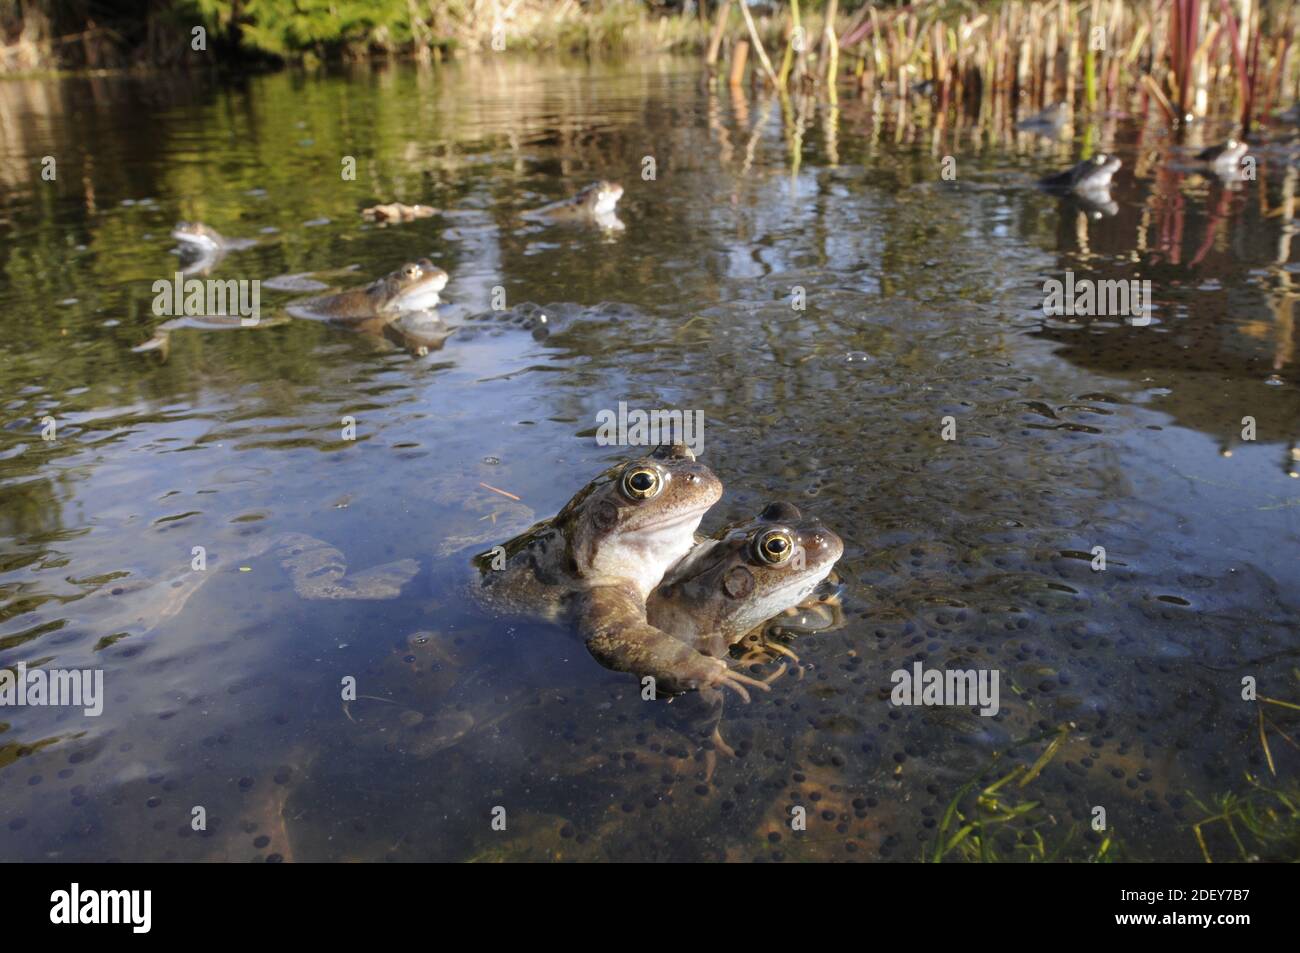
923 301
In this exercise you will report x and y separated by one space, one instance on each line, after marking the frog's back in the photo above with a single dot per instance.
518 577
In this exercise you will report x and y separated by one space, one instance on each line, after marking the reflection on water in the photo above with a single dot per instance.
924 300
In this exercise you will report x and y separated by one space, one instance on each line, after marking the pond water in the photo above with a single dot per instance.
923 300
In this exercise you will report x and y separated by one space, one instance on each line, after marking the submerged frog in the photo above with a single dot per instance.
125 602
594 563
1049 122
594 203
742 577
1089 177
413 287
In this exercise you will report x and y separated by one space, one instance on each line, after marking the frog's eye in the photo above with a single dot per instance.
411 271
642 483
774 547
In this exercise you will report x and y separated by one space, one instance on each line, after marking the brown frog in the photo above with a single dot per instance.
413 287
1090 177
396 212
743 576
594 203
1224 158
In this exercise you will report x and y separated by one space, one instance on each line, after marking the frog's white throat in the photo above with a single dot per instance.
644 555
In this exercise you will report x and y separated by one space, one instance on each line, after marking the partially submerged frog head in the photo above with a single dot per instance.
1051 118
603 196
413 287
1226 154
623 529
1094 175
197 235
1057 112
637 519
744 576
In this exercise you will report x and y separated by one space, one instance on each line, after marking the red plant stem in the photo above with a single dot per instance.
1192 27
1238 58
1252 80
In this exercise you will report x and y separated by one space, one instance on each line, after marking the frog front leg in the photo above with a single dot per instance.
613 623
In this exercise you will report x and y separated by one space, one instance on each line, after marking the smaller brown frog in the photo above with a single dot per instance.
745 575
594 203
412 287
396 212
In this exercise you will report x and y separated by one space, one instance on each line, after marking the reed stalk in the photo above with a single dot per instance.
1191 58
758 45
832 45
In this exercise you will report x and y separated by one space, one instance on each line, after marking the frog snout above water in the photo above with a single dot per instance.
203 247
1089 176
597 201
412 287
627 526
603 196
1226 156
743 576
199 237
1049 121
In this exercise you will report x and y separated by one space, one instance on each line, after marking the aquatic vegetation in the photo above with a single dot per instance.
1001 825
1185 57
76 34
1182 57
1262 824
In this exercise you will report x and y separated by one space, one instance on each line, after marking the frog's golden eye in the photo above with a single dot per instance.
774 547
411 271
642 483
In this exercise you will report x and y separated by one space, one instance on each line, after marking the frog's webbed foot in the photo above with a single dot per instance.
736 681
779 649
612 620
319 571
760 649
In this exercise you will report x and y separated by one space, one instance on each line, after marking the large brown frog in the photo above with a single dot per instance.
595 562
